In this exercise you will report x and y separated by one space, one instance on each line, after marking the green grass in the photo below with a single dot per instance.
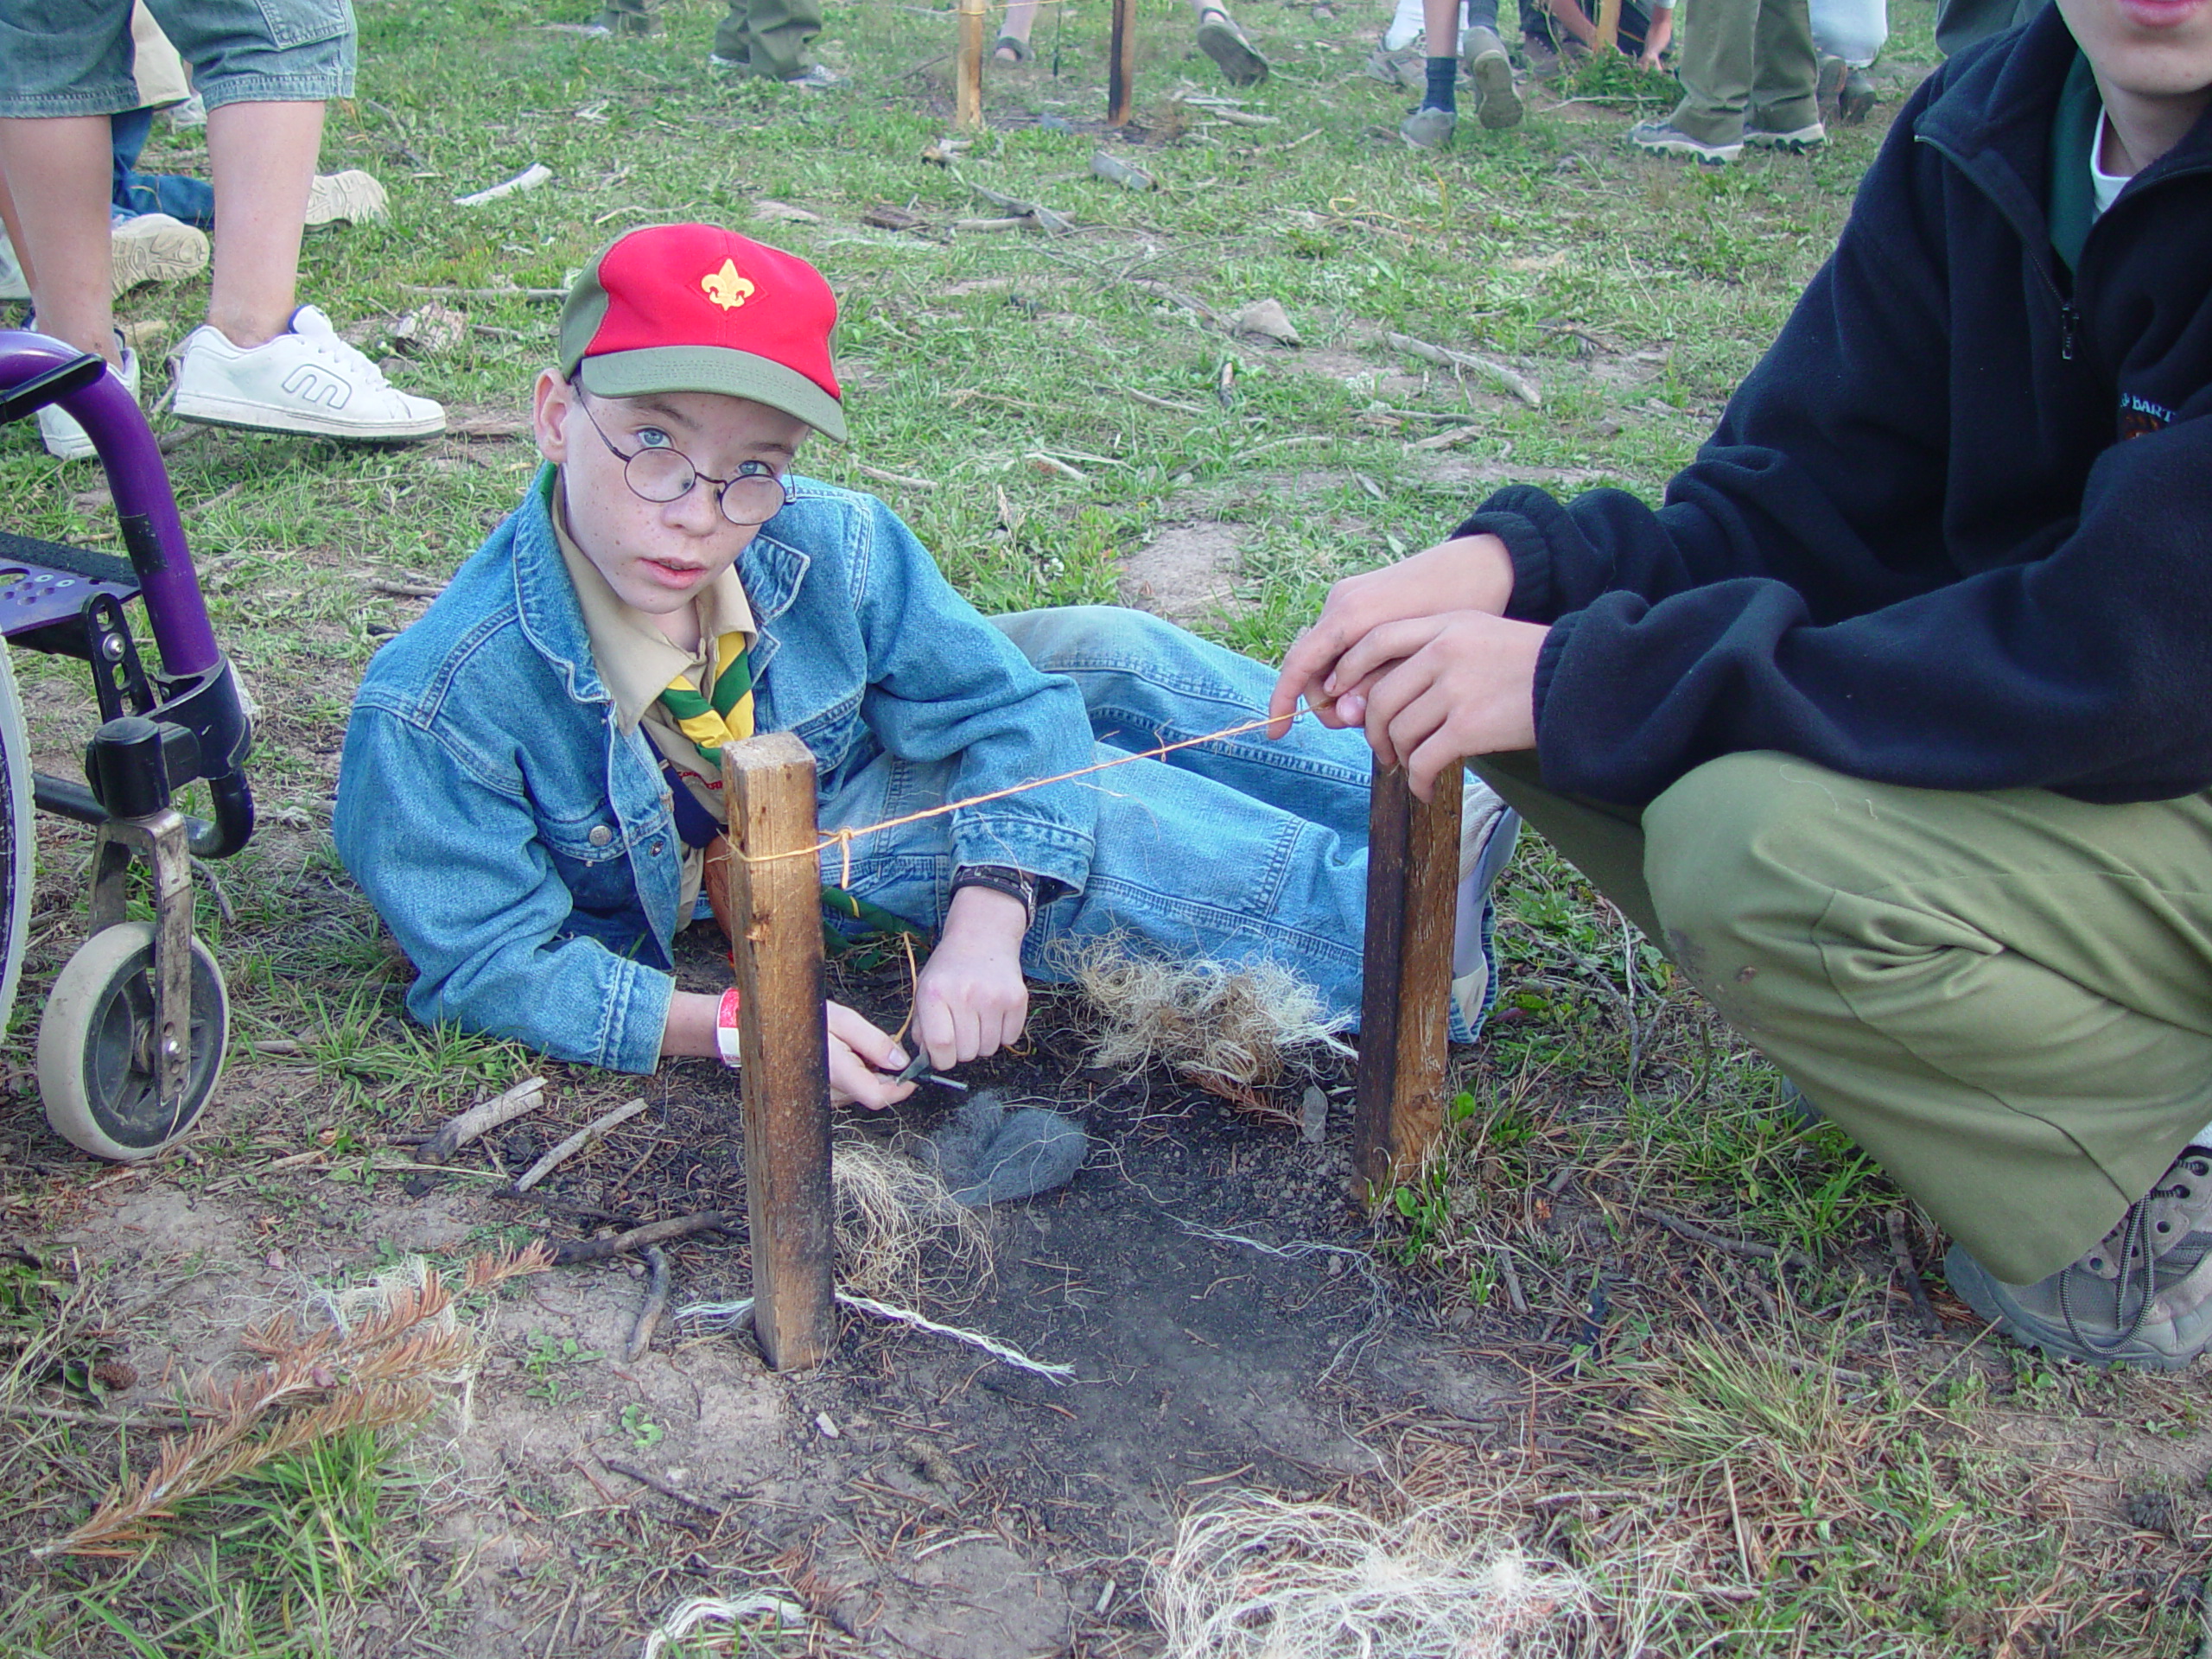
1901 1514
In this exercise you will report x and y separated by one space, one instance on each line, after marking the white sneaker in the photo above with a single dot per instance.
154 248
193 113
1487 830
13 285
353 197
306 380
65 440
1406 26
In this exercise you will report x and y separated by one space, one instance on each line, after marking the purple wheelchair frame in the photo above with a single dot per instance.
160 729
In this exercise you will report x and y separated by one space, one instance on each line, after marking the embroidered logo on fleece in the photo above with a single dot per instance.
725 287
2139 416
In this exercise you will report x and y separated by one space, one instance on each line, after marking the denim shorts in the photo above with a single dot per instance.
73 57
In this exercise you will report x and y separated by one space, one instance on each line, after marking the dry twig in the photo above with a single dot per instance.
526 1095
575 1143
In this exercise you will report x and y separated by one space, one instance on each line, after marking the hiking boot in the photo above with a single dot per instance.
1237 58
818 78
1483 56
1428 127
1544 61
1665 138
1828 86
306 380
1857 100
65 439
154 248
1489 830
1795 142
353 197
2142 1294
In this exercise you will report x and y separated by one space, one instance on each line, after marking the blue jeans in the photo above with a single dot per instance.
73 57
192 201
1234 851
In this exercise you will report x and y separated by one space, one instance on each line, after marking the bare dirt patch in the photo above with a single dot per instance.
1187 573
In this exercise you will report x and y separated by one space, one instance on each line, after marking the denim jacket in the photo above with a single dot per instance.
522 845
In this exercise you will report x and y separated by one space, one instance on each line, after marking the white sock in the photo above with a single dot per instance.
1488 831
1405 26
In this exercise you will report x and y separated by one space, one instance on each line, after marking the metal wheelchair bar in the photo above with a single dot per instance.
138 479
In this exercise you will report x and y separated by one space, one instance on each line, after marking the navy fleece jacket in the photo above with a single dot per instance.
1956 529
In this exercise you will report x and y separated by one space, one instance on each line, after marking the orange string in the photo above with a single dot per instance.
845 838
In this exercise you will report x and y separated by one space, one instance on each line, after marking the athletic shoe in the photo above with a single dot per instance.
2143 1294
306 380
1428 127
65 439
13 283
1406 26
1795 142
154 248
715 60
351 196
1858 98
1483 55
1237 58
193 113
1664 138
1487 832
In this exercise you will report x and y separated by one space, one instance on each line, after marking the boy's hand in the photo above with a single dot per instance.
1472 572
970 999
1437 690
862 1061
860 1057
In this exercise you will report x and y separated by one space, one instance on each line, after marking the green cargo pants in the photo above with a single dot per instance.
769 36
1746 55
2005 998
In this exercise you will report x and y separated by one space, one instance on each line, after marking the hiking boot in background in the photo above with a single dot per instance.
1483 55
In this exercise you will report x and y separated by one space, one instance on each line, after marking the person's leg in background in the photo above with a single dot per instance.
1784 109
769 38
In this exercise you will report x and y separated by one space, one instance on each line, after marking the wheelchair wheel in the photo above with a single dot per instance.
18 836
95 1071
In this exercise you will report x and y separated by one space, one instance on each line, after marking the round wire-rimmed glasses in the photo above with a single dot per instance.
661 474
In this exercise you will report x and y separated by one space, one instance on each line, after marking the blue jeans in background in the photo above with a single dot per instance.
192 201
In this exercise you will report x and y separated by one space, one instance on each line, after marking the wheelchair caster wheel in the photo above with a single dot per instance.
95 1047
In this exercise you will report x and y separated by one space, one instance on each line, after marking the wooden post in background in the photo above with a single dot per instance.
768 785
1122 64
1413 879
1609 27
967 67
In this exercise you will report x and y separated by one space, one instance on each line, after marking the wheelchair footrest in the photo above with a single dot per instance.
45 582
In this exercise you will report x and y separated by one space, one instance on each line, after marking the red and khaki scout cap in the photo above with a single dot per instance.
695 307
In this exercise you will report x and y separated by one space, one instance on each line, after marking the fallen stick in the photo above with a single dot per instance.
1909 1270
615 1467
575 1251
1450 440
403 590
899 479
536 296
649 1313
524 1097
529 178
1058 224
575 1143
1019 223
1162 403
1696 1234
1445 357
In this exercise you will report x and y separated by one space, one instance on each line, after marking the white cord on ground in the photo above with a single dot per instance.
728 1316
687 1614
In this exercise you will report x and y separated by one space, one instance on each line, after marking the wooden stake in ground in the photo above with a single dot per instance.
1122 64
1413 879
968 68
776 902
1609 26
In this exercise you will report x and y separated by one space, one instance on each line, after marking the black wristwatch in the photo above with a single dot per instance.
1031 890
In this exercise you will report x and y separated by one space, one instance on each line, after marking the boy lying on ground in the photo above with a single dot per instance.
531 787
1894 726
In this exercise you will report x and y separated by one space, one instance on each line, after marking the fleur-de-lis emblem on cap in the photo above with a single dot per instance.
726 288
